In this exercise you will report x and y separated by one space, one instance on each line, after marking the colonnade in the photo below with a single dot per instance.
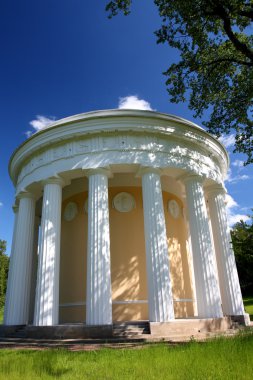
217 294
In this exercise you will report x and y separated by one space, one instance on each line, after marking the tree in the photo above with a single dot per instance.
215 70
4 266
242 239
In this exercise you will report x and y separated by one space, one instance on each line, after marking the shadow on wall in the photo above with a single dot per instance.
74 261
128 260
178 256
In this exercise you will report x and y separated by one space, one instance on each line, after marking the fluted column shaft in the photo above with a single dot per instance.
98 297
34 268
11 274
158 271
47 291
17 312
207 287
231 295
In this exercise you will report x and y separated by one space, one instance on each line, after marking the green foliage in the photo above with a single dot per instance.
215 70
220 359
1 315
248 303
242 239
4 266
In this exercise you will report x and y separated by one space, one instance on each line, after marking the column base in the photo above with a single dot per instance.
243 320
191 327
66 331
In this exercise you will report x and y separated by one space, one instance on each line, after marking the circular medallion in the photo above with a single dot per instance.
70 211
173 208
124 202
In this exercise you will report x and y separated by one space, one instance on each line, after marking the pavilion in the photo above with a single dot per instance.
120 216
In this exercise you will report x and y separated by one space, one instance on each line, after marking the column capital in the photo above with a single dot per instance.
148 170
104 171
25 194
15 208
217 189
188 177
56 180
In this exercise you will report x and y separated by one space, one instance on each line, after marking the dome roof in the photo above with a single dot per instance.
119 112
118 137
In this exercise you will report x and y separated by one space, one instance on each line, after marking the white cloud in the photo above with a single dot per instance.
228 175
230 202
232 219
227 140
238 164
1 204
236 178
39 123
246 209
233 216
133 102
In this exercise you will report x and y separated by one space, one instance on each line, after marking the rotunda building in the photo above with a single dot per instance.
120 216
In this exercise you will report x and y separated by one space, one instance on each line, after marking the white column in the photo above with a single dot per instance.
19 294
98 297
34 268
207 287
47 291
190 261
12 265
158 271
231 295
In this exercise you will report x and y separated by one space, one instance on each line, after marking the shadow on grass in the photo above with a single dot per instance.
48 363
248 303
1 315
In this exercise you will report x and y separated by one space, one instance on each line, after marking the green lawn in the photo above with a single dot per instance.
1 314
220 359
248 303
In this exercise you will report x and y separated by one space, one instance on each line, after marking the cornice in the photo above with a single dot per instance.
117 121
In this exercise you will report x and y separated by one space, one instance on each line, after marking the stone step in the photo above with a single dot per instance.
19 332
131 328
117 341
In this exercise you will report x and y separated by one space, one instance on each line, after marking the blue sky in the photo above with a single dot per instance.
62 57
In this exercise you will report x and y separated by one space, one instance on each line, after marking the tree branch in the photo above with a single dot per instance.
231 60
242 47
248 14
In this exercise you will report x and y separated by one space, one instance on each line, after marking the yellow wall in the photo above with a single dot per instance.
73 261
178 255
128 265
128 258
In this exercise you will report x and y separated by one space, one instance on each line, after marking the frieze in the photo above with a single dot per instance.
60 152
123 143
82 146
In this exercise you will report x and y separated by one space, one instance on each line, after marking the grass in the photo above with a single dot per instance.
219 359
248 303
1 314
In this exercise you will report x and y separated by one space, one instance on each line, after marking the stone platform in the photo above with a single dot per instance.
143 330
